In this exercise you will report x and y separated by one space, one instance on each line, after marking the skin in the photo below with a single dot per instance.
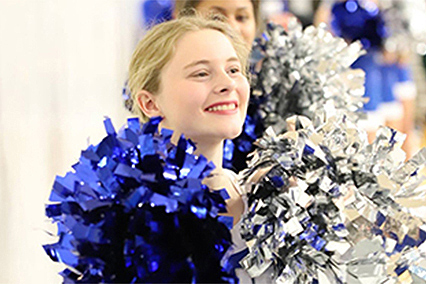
239 14
196 84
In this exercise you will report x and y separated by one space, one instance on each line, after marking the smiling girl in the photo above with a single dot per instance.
192 72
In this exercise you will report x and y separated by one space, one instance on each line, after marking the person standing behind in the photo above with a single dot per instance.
242 15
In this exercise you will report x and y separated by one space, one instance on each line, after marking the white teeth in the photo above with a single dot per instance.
222 107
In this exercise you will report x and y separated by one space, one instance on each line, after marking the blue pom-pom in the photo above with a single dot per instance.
236 151
359 20
134 210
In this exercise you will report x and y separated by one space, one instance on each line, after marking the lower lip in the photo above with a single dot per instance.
224 112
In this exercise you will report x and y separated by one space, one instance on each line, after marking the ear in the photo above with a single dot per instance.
148 104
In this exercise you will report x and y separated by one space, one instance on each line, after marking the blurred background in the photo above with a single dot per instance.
63 65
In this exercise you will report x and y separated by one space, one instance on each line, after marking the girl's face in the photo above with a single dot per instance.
203 93
239 13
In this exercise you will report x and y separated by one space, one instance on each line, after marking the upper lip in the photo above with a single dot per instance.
222 103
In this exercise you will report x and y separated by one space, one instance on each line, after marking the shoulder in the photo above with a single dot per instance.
230 174
234 180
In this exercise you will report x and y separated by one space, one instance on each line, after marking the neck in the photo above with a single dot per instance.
212 151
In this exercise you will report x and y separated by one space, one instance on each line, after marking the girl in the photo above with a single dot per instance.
192 73
198 85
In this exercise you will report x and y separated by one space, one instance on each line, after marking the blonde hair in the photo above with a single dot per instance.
157 48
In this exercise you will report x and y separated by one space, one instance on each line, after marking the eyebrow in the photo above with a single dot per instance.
220 9
204 61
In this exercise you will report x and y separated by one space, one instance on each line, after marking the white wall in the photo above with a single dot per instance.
62 67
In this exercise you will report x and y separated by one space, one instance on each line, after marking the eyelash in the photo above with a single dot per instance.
203 74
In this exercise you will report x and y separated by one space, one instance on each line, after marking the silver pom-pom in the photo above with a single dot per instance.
306 72
322 206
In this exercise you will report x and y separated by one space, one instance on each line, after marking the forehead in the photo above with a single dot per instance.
206 44
227 5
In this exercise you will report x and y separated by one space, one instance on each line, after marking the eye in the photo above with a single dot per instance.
200 74
242 18
234 70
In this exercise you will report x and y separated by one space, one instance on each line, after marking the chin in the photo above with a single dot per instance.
233 133
219 132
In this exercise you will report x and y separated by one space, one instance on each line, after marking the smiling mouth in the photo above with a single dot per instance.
222 107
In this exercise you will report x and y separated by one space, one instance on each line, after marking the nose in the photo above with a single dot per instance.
224 84
234 24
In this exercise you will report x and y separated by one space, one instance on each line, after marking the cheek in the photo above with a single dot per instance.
176 94
249 31
244 90
188 98
182 99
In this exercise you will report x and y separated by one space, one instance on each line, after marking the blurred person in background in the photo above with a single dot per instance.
388 86
406 36
242 15
360 20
